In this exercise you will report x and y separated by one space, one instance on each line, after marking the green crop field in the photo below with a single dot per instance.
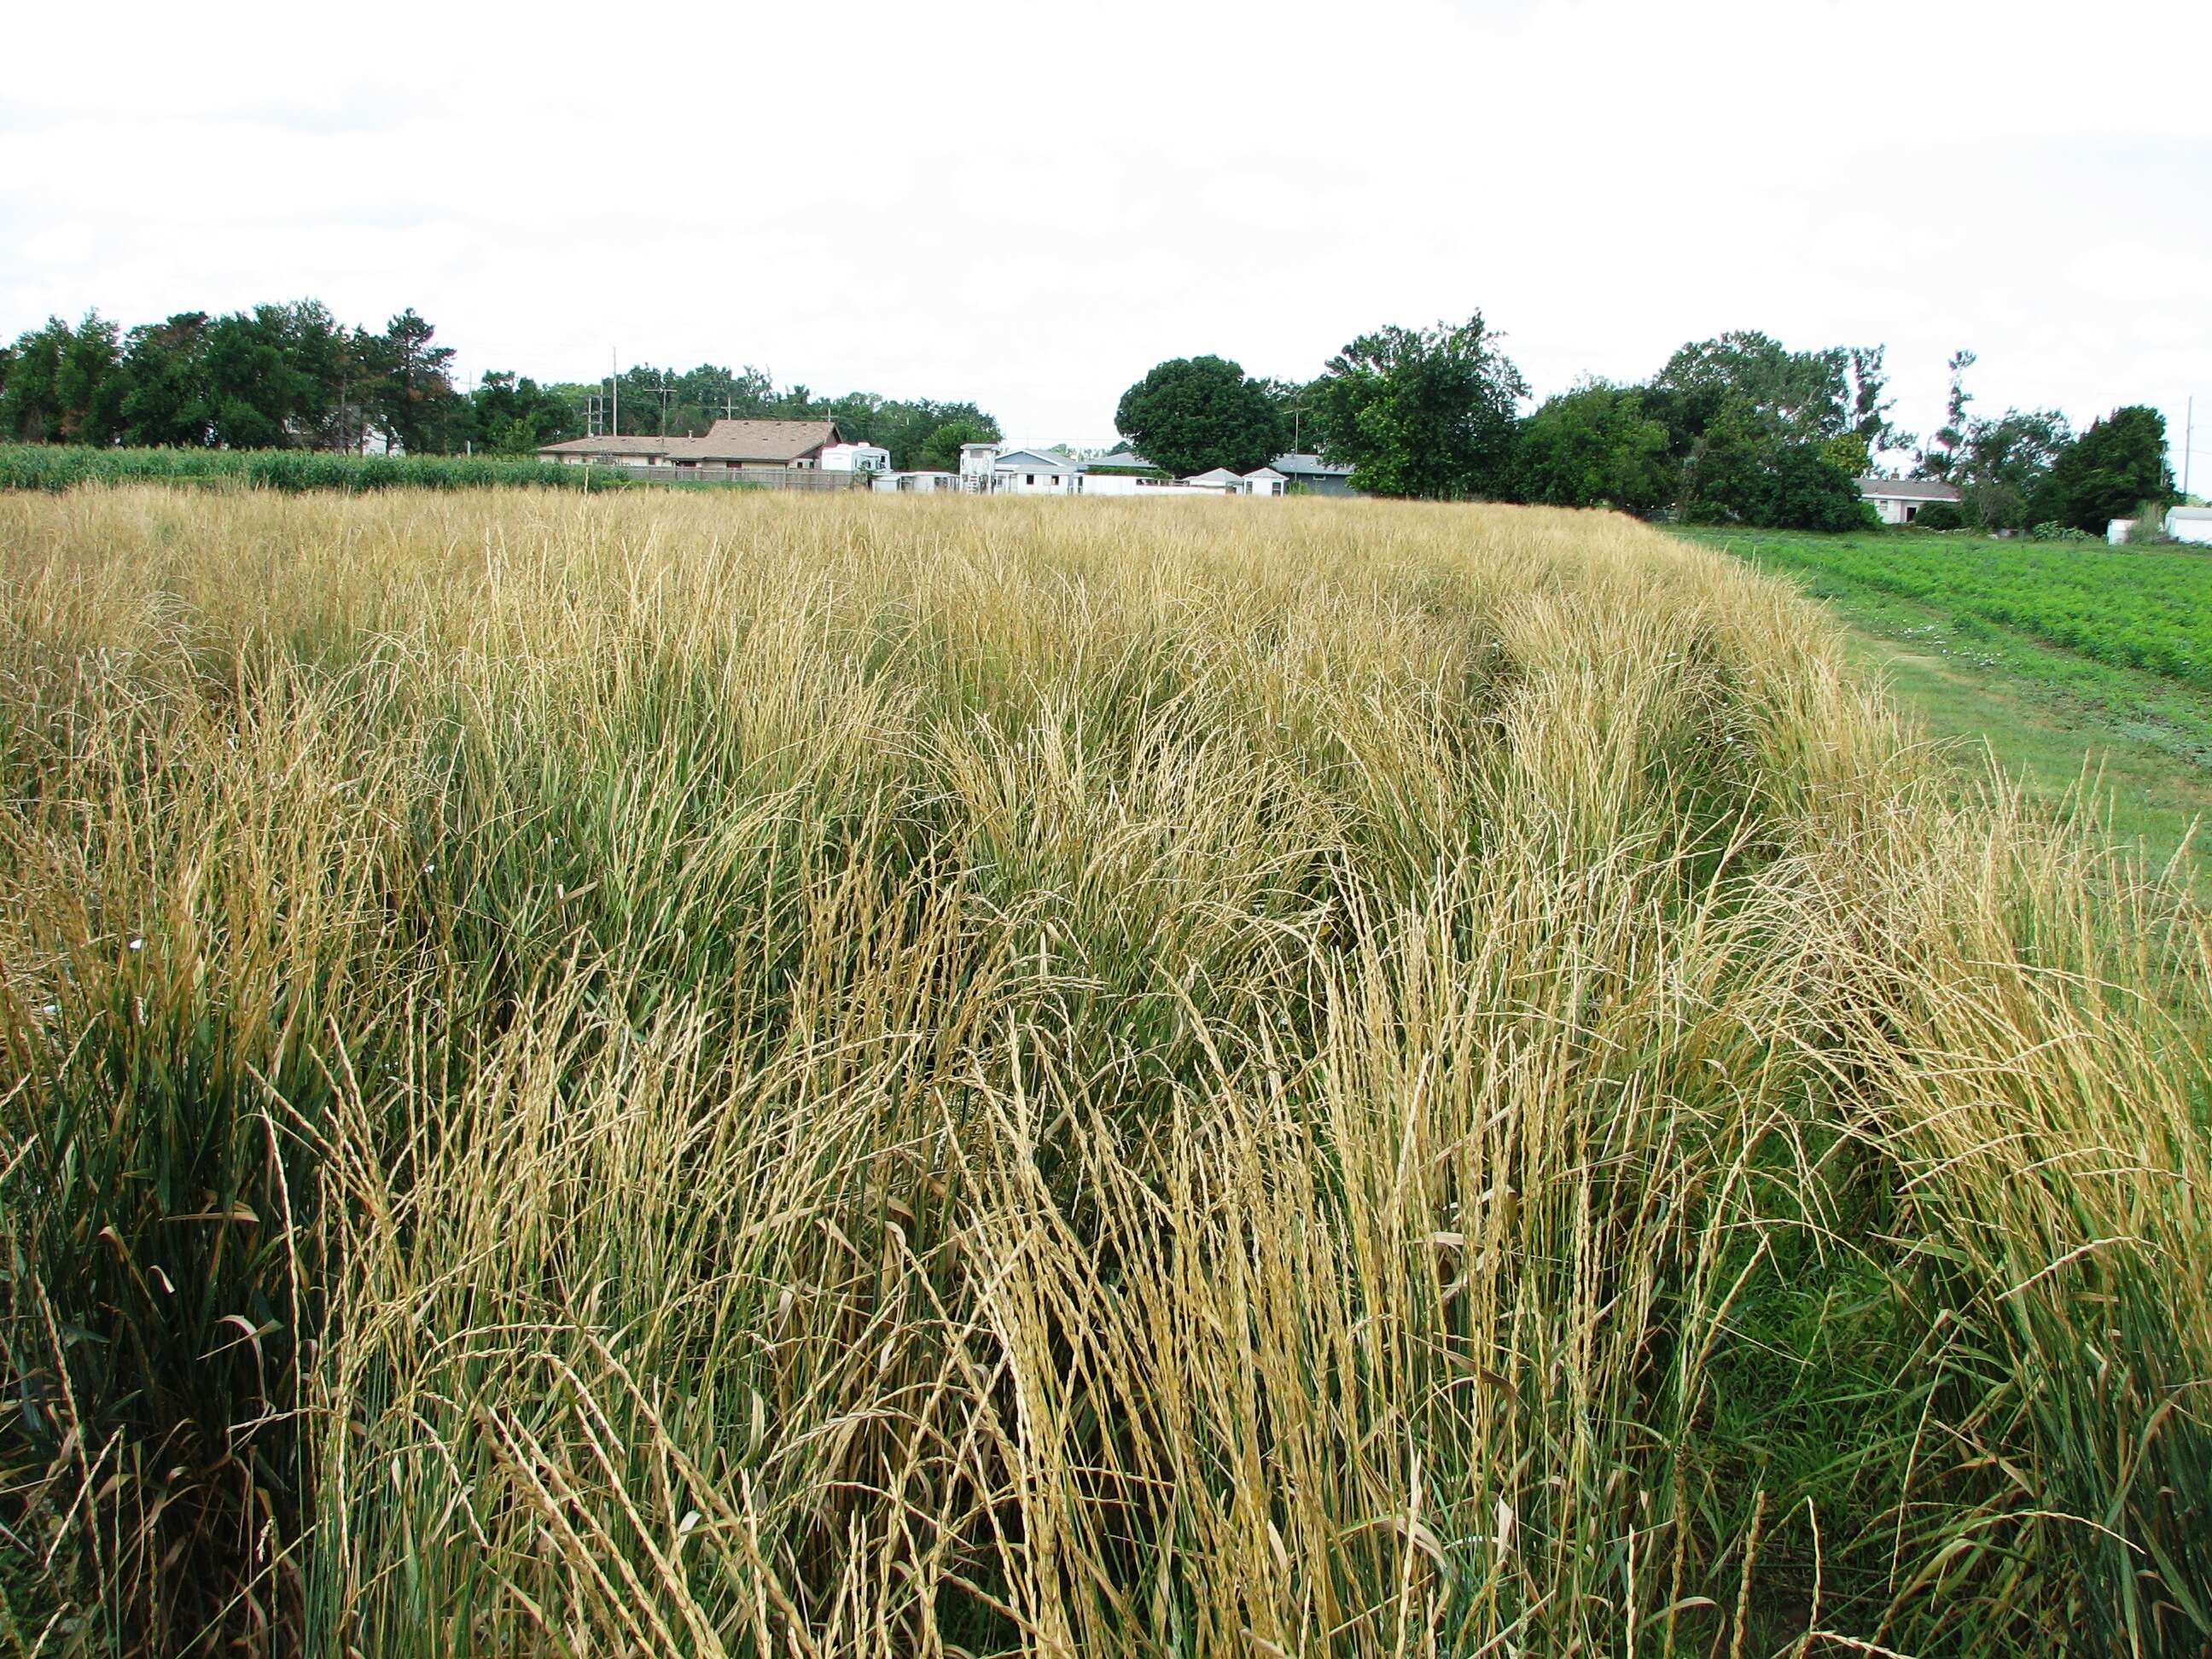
2069 661
289 471
2147 608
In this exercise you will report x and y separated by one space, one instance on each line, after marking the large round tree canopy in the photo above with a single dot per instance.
1194 413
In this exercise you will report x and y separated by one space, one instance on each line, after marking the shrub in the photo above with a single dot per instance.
1798 489
1941 515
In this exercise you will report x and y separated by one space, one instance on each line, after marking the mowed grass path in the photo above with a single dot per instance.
2068 663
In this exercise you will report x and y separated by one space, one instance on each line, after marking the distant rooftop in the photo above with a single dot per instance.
1304 463
1908 489
725 440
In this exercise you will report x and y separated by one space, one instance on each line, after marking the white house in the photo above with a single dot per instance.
1035 472
1898 501
1019 472
1025 471
2190 523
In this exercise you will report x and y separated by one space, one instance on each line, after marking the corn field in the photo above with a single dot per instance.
747 1075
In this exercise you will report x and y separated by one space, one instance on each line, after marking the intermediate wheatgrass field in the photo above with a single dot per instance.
776 1076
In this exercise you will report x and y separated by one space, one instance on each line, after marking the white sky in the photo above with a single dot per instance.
1031 204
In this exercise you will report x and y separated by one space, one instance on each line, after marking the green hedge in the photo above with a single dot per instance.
59 466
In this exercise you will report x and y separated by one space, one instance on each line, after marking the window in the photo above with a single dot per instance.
1029 477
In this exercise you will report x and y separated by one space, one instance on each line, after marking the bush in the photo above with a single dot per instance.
1941 515
2148 529
1799 489
2050 530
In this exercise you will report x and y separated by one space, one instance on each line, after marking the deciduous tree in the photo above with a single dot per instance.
2005 481
941 451
1425 412
1594 447
1193 413
2118 463
1941 459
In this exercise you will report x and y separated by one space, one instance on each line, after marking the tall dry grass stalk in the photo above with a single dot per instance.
820 1077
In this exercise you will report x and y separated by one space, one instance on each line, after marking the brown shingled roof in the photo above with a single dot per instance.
607 446
726 440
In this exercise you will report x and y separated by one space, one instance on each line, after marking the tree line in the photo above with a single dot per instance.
1738 429
291 376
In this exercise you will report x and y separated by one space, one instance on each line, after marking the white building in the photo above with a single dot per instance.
2190 523
855 458
1019 472
1898 501
976 463
1027 472
917 484
1035 472
1124 483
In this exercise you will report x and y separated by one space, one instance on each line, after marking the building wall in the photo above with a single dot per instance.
1123 484
1027 480
2198 531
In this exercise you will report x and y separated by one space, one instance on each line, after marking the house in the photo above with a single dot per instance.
1019 472
2190 523
1898 501
1035 472
1024 471
1312 474
727 446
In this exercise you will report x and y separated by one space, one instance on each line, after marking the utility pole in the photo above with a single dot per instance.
613 379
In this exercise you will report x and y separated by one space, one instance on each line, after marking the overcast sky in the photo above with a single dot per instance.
1030 205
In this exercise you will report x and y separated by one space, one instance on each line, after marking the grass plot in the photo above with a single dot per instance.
748 1075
